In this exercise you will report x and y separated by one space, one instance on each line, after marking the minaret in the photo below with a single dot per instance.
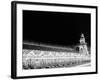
83 45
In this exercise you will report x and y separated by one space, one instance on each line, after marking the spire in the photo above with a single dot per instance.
82 39
83 45
82 35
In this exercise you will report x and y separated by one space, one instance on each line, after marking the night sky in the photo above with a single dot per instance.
55 28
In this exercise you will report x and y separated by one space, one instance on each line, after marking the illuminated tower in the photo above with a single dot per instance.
83 45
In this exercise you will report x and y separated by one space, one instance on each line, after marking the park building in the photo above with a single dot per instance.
43 59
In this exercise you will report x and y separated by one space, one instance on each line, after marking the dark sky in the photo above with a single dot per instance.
55 28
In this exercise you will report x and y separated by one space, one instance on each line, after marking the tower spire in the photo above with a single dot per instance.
82 39
82 35
83 45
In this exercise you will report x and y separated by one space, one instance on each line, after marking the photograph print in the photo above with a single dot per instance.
53 39
66 39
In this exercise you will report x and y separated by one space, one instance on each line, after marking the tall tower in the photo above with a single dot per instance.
83 45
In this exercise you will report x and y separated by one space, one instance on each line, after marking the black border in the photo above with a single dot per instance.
14 38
